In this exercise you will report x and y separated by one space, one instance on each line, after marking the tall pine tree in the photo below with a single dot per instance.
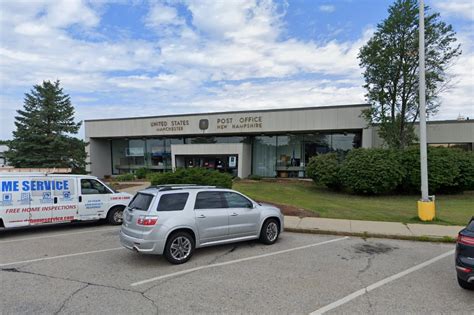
45 126
390 62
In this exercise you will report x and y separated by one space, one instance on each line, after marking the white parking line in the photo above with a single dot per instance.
60 256
56 235
233 262
378 284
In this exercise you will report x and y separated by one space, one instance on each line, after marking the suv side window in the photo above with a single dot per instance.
210 200
92 187
237 201
172 202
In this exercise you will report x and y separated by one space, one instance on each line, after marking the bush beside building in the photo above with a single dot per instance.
198 176
383 171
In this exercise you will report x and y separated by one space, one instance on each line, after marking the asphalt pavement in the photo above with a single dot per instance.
81 268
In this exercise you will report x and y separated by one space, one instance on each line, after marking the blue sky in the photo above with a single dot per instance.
138 58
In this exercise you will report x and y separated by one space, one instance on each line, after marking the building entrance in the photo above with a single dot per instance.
223 163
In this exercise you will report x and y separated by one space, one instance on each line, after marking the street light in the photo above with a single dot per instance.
426 206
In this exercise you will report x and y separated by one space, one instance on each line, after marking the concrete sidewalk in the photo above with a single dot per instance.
372 228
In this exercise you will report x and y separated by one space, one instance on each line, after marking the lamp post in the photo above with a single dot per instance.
426 206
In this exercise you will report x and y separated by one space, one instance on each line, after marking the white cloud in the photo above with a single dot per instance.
461 8
458 99
327 8
226 55
162 15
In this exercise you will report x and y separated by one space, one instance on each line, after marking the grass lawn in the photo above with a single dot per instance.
450 209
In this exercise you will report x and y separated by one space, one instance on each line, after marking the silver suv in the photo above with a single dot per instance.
174 220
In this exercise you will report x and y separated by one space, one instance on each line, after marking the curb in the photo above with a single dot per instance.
444 239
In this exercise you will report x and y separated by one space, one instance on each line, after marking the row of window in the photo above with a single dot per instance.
271 154
204 200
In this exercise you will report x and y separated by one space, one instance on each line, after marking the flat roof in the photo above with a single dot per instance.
235 112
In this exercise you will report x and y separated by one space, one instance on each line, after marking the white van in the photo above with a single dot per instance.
36 198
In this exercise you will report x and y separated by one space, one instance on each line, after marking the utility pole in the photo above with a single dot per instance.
423 149
426 207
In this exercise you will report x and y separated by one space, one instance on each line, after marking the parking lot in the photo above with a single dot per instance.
82 268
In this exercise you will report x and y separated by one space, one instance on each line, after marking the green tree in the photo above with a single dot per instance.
45 126
390 63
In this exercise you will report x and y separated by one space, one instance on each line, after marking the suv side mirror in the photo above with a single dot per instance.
251 206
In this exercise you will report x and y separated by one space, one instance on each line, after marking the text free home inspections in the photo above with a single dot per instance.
34 185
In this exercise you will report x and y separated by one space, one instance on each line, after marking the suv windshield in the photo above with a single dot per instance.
141 202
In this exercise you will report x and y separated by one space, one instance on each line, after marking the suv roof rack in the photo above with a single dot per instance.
180 186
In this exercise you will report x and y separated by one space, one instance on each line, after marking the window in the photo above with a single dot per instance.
470 227
93 187
141 202
172 202
209 200
264 156
237 201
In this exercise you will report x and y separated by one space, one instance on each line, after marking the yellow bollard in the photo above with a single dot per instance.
426 210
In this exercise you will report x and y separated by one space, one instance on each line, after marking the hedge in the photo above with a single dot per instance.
324 169
125 177
198 176
371 171
382 171
142 172
449 170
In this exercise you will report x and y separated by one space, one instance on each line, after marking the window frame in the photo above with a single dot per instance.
143 194
169 194
250 202
108 191
221 197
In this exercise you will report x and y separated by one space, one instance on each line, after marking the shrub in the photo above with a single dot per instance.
198 176
142 172
466 164
449 170
324 169
125 177
371 171
254 177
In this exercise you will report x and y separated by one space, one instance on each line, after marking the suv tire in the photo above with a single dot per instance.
179 247
270 232
465 285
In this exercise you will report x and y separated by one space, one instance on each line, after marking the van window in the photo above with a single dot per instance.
93 187
209 200
172 202
141 202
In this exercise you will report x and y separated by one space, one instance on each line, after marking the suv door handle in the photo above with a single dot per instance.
234 214
202 216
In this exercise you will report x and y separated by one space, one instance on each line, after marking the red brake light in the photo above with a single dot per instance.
147 220
463 269
465 240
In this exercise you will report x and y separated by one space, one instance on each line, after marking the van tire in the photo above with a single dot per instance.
115 216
